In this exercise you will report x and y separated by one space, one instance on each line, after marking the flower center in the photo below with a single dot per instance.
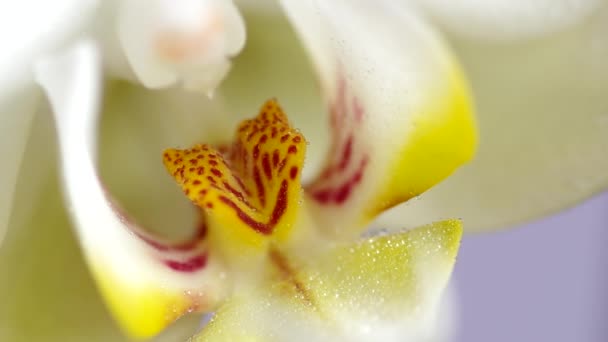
248 191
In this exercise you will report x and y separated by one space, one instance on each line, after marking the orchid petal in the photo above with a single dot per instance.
30 34
32 28
44 279
400 110
543 116
147 282
46 291
386 286
190 41
506 19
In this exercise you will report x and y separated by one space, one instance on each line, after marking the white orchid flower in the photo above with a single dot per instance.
538 74
401 123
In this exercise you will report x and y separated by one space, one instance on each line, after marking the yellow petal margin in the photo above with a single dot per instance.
400 112
444 138
143 311
393 280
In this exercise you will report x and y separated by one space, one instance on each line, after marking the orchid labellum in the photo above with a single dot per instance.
281 175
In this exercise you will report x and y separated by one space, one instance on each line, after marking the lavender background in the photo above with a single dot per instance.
545 281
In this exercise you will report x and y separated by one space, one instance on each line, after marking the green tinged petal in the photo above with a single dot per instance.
382 286
46 292
384 275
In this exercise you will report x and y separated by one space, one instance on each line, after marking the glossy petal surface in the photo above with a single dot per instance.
543 118
46 291
26 35
385 287
148 282
401 118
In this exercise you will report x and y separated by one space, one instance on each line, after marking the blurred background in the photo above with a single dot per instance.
544 281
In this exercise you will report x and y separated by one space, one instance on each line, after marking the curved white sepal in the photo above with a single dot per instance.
31 28
147 282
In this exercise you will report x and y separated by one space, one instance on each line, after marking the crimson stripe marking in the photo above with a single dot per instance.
282 164
238 194
322 196
153 243
252 134
256 151
342 192
266 166
259 185
358 109
346 154
278 211
242 185
188 245
293 172
192 264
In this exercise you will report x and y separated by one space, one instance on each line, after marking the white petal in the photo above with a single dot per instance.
148 283
274 64
400 111
543 114
508 19
189 41
385 288
46 291
30 28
